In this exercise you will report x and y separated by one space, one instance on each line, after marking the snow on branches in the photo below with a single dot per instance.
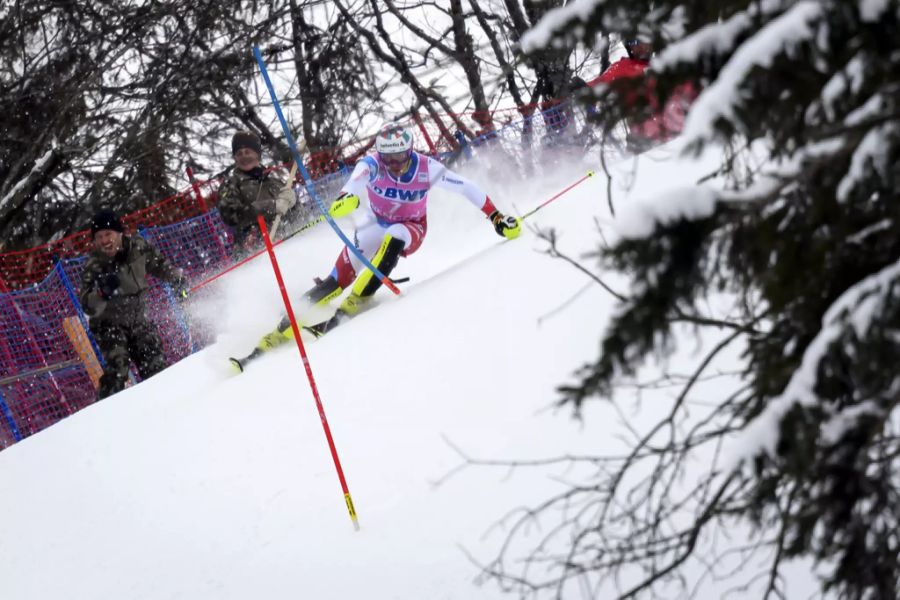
801 230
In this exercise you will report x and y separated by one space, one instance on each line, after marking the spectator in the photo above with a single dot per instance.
632 65
390 188
250 191
113 284
667 121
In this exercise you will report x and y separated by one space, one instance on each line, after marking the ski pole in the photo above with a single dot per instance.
306 227
229 269
309 225
311 186
545 203
309 375
244 261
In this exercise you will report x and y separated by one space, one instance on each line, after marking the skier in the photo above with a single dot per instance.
394 181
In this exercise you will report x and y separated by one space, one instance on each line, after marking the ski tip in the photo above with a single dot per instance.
236 365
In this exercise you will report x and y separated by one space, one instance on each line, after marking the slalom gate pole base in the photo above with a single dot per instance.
309 374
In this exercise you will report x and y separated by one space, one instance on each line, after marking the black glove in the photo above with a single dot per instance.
107 285
509 227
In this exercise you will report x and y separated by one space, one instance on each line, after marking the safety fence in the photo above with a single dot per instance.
440 135
28 267
49 362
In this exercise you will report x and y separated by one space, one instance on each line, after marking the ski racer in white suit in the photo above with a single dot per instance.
395 181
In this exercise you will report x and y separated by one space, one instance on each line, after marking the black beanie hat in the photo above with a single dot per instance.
106 219
245 139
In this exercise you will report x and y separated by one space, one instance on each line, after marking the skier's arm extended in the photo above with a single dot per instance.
442 177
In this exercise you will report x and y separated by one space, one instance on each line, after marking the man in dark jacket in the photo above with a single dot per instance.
251 191
113 284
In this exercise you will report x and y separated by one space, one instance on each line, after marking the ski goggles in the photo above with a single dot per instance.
395 159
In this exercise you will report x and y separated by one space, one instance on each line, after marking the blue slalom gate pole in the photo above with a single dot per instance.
10 421
309 185
73 298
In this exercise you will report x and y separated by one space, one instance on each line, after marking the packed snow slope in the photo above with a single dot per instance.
199 484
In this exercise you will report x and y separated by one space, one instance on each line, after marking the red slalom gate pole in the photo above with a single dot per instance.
424 131
196 186
229 269
312 382
209 280
546 202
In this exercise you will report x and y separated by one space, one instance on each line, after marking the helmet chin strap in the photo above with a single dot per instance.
403 168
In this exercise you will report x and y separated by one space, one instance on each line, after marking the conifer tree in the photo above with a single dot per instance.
809 245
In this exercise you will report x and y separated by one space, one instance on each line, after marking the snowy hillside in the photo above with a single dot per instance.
202 485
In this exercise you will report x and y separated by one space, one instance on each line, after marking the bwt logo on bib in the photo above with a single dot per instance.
392 193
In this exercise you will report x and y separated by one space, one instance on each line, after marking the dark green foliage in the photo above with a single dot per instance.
674 261
810 246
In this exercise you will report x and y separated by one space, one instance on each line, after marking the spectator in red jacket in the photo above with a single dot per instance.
668 120
633 65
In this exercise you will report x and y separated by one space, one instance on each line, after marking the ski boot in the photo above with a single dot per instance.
324 291
364 287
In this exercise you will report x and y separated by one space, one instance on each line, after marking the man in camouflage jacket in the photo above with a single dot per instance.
250 191
113 284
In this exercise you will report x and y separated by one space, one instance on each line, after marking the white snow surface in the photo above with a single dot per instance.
201 484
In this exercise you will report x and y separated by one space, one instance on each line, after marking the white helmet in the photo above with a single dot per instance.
393 138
